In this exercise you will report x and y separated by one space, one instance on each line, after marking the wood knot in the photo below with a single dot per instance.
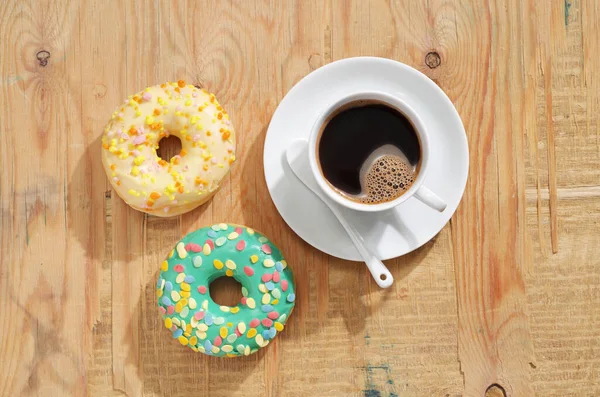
495 390
99 90
43 56
315 61
433 59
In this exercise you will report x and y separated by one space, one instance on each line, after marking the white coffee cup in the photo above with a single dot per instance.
417 189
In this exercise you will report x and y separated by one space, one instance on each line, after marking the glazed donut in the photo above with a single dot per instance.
145 181
225 250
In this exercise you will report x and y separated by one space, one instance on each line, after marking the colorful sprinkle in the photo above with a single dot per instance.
181 250
189 279
250 303
241 327
233 236
265 334
254 323
267 322
278 326
223 226
197 261
278 266
212 234
184 312
178 268
273 315
266 298
218 264
270 285
219 320
229 273
223 332
259 339
228 348
291 297
230 264
268 263
272 333
231 338
177 333
266 277
266 308
168 322
193 247
220 241
266 249
208 319
216 228
240 245
180 277
199 315
210 243
224 309
253 258
235 309
168 286
192 303
276 277
164 266
245 291
206 249
251 333
166 301
202 289
249 271
276 293
284 285
262 239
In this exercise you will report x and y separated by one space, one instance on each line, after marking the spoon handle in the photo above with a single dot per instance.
378 270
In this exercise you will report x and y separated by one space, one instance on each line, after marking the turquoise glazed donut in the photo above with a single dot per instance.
225 250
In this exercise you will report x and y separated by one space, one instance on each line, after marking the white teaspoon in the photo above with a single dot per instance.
297 158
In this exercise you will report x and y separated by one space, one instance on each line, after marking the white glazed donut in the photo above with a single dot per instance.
145 181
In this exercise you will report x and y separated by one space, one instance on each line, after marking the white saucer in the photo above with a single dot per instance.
402 229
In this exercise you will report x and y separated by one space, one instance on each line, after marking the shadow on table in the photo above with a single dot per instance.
320 298
168 368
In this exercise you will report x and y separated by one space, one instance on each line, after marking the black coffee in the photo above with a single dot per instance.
369 152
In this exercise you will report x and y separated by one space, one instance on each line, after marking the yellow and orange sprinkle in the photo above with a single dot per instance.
131 138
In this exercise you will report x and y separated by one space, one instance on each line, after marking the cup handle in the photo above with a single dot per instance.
430 199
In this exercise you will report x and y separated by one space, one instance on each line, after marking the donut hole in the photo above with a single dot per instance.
168 147
225 291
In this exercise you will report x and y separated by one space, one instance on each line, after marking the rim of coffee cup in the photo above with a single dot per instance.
392 101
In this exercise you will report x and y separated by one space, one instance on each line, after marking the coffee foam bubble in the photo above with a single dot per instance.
385 176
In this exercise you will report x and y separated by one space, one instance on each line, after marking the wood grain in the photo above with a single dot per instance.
504 300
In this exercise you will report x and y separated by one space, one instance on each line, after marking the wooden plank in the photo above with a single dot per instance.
489 300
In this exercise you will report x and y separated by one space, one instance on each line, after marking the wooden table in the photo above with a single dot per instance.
508 293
